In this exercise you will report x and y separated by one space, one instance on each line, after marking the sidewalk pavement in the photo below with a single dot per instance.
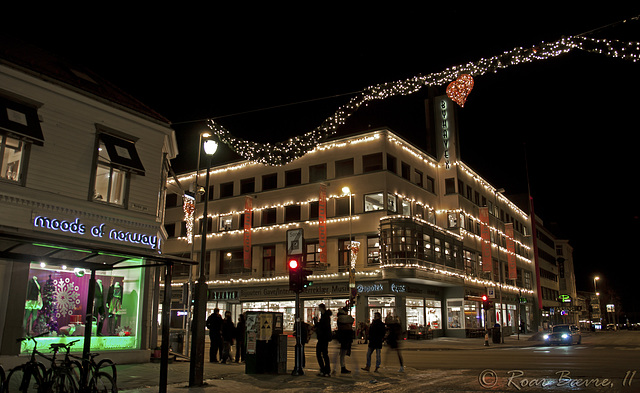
143 378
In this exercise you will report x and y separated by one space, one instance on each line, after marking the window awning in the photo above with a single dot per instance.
53 251
20 119
122 153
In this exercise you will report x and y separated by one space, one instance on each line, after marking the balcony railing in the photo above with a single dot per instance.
419 263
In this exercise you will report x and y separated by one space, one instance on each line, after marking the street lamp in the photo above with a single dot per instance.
595 289
196 190
352 270
495 206
196 366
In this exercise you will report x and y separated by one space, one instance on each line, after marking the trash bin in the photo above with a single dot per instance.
176 341
266 345
495 334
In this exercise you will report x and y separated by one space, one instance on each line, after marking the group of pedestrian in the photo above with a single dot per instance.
222 334
377 333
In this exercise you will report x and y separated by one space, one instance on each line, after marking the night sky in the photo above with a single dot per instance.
573 117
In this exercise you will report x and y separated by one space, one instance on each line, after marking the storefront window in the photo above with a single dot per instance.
385 305
455 314
311 309
286 307
433 311
415 313
56 303
472 315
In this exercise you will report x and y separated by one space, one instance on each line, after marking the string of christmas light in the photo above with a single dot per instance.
286 151
189 207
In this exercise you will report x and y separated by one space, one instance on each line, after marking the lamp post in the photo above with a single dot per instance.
196 366
499 191
352 272
595 290
193 243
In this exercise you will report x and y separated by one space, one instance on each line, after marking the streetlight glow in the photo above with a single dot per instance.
210 146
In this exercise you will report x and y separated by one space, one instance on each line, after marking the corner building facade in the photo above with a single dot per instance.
83 165
415 218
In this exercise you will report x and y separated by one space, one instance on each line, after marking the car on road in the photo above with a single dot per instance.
563 334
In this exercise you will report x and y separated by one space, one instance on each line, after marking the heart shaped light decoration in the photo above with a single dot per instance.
459 89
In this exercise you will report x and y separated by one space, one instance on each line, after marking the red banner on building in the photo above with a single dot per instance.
511 251
322 225
485 235
246 242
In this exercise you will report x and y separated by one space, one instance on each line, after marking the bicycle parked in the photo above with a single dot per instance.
28 377
66 376
97 377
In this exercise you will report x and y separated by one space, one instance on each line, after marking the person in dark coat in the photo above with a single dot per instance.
377 331
240 332
323 334
214 324
228 334
345 337
394 334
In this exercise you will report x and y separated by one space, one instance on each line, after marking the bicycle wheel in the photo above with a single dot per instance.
62 381
108 366
2 378
24 379
76 370
103 383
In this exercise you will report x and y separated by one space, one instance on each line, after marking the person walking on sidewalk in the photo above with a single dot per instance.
323 334
240 332
214 324
345 337
376 337
228 334
394 335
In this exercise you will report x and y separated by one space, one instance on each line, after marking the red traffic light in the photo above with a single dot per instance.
484 298
293 264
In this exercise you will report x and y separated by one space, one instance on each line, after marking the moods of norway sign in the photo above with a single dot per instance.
99 231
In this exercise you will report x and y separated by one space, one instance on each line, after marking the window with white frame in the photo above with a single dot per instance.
12 158
373 202
19 129
117 159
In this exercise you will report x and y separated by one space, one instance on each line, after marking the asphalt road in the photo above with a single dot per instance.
604 362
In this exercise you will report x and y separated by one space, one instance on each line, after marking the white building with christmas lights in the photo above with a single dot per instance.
430 233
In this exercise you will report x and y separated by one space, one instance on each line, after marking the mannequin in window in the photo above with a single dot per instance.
32 305
99 306
114 305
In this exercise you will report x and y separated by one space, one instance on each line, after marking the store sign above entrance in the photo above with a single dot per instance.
99 231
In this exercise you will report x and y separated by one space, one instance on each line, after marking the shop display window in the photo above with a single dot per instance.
286 307
385 305
433 312
56 305
415 314
455 316
311 310
472 315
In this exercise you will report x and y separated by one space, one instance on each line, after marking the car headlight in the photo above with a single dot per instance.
546 336
565 335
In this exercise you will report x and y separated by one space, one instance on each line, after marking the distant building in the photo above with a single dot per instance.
418 221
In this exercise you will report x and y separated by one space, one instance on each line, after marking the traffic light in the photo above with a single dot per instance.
486 303
304 278
298 275
295 273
